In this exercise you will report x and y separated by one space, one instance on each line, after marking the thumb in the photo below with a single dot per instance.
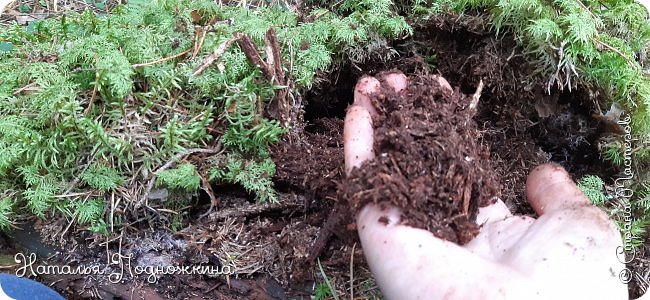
411 263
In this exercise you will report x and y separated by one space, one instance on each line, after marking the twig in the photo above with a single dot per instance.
169 163
74 216
66 195
476 96
352 272
587 9
30 87
325 233
610 48
205 185
215 55
162 59
112 214
327 281
167 210
273 55
92 97
185 153
78 177
198 47
250 50
95 87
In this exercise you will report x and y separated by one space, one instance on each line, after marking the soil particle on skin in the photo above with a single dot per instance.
429 161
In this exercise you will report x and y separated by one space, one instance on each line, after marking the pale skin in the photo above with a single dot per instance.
567 252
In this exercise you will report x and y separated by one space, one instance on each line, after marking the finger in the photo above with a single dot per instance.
444 83
572 249
357 137
549 188
493 212
366 86
357 130
571 239
410 263
497 237
396 80
499 230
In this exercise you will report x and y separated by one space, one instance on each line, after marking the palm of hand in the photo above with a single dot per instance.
569 252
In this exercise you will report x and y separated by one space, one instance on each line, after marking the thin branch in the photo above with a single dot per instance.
273 55
587 9
201 41
162 59
352 272
209 60
93 95
214 201
476 96
256 209
29 87
610 48
250 50
170 162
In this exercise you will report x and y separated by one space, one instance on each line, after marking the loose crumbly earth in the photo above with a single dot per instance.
428 161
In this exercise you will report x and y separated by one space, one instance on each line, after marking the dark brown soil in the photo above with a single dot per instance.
429 161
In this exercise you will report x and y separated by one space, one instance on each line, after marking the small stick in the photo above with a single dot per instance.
476 96
611 48
162 59
352 272
169 163
30 87
255 209
273 55
215 55
197 49
250 50
326 231
214 201
92 97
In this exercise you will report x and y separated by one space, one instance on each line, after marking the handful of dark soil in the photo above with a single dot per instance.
428 161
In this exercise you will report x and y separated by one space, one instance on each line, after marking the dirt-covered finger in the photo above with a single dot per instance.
395 79
357 137
366 86
549 187
493 212
444 83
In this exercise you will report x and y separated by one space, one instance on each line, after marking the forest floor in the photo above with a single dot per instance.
276 249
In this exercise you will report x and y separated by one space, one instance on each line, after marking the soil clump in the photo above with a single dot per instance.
429 161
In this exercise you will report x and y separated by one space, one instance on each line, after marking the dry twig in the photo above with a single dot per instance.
169 163
209 60
352 272
214 201
250 50
477 95
162 59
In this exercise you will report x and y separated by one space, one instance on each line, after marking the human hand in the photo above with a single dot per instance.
568 252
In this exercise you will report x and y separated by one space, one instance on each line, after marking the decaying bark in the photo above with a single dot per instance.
280 108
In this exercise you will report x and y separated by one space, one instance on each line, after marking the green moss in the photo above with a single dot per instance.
593 187
71 92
